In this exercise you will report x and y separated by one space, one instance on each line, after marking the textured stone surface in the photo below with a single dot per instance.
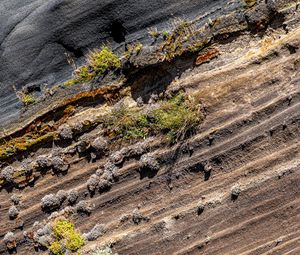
229 187
35 35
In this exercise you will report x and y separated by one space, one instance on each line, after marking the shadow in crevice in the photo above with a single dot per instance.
146 172
156 79
117 31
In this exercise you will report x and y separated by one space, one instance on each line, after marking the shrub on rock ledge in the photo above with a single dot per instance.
98 63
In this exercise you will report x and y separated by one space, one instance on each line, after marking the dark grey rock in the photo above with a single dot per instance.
35 35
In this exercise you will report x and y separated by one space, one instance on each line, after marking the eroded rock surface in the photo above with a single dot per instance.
228 185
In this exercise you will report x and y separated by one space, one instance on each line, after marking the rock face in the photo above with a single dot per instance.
35 35
108 155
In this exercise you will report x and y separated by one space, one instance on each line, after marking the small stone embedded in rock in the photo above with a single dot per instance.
43 161
61 195
148 161
83 207
50 202
13 212
137 216
235 191
72 196
200 208
59 164
65 131
99 144
117 157
92 182
15 199
7 173
10 240
97 231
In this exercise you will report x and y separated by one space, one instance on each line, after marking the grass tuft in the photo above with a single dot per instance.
174 118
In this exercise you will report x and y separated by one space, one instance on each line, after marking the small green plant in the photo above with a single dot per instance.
103 60
66 237
165 34
128 123
153 32
133 49
27 99
173 118
98 63
176 117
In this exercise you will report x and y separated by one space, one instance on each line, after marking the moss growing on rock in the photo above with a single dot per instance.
56 248
65 233
98 63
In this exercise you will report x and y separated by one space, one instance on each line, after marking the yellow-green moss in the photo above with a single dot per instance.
23 144
71 82
27 99
103 60
98 63
56 248
65 230
249 3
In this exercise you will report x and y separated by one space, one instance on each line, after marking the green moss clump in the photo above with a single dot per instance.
56 248
70 82
250 3
65 230
98 63
28 99
103 60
